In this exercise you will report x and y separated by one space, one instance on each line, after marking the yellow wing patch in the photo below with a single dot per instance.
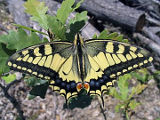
101 60
95 69
66 71
109 47
57 62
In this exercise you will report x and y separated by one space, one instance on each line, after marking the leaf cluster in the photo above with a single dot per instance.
113 36
125 95
58 25
142 75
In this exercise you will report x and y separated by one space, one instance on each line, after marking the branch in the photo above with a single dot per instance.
152 45
3 28
12 99
12 83
153 21
115 12
151 35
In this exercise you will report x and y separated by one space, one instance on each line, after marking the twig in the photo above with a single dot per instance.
151 35
153 21
154 30
3 28
12 99
152 45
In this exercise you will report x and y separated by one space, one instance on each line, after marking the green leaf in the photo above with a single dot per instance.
123 86
77 5
112 36
138 89
94 36
5 39
142 75
125 40
3 59
65 10
74 29
76 24
133 104
39 87
57 28
40 90
33 81
137 76
9 78
32 39
30 29
79 17
118 107
114 93
103 35
45 40
17 40
30 97
38 11
119 38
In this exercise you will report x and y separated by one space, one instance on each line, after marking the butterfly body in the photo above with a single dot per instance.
93 65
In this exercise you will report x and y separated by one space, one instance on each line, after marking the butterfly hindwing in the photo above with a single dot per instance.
51 61
109 59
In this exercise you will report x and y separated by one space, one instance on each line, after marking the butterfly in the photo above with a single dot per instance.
92 64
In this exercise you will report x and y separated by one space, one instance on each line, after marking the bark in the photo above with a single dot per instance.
116 13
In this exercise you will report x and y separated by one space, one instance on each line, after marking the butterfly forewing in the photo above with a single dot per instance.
51 61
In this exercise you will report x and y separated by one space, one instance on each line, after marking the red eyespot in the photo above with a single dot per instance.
86 86
79 86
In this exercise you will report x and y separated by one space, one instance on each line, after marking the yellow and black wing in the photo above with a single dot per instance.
106 59
51 61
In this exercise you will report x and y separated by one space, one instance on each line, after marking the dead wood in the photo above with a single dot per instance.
155 30
116 13
148 43
151 35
